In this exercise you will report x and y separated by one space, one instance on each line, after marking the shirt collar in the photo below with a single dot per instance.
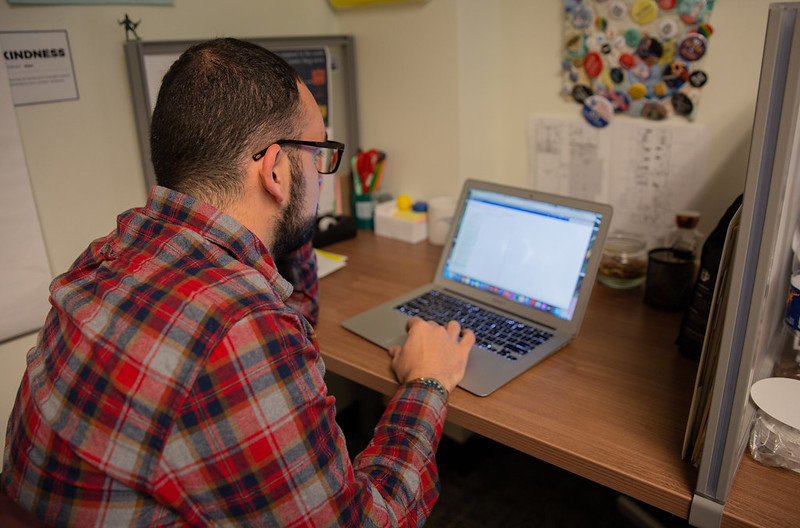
217 227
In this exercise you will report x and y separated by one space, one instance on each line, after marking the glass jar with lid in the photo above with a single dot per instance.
624 261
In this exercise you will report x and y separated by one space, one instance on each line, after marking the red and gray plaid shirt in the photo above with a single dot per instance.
172 385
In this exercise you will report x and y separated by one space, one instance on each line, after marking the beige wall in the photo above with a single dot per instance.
446 87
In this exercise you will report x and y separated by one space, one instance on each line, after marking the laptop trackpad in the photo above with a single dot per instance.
397 340
383 327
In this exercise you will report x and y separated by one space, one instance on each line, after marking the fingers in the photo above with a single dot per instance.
468 337
453 329
432 350
411 322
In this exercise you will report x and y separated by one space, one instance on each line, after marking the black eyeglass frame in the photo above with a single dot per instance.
339 147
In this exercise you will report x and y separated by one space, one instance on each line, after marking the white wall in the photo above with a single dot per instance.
446 87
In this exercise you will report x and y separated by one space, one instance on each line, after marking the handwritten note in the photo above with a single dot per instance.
646 171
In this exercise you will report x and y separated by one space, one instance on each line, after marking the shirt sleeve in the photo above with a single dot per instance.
300 269
257 442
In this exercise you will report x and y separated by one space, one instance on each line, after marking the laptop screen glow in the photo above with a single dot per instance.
529 252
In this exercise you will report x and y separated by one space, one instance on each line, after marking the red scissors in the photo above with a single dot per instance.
366 166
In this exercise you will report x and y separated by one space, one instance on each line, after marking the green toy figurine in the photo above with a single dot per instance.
130 27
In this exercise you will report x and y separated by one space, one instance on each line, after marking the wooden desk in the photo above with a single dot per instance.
611 407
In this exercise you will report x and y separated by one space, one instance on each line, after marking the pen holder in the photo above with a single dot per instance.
364 211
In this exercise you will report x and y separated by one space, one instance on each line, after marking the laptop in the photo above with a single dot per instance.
518 265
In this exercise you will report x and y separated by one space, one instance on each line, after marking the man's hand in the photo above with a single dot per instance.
432 351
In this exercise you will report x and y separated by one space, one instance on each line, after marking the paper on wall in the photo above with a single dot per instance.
646 171
26 272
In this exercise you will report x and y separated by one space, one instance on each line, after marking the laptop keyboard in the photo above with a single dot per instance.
505 337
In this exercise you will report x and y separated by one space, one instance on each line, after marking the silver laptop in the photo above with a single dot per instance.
517 268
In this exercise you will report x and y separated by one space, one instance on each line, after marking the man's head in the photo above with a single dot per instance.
222 111
219 102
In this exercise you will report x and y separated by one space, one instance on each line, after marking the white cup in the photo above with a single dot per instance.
440 215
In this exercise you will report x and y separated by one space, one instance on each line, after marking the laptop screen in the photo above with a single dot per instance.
530 252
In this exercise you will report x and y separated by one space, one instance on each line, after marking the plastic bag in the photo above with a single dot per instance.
774 443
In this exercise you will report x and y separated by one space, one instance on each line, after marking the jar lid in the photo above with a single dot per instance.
623 243
669 256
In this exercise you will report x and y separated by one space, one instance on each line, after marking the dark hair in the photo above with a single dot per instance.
222 101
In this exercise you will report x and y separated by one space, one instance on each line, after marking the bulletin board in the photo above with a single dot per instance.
641 58
334 89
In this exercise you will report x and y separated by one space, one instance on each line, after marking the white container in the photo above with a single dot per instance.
405 226
440 215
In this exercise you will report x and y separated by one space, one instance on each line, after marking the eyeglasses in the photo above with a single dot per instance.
326 158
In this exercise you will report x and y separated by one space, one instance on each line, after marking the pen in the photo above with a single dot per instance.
356 178
376 181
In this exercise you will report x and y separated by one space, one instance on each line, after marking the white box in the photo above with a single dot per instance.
406 226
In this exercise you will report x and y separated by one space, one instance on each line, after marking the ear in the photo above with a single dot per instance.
273 173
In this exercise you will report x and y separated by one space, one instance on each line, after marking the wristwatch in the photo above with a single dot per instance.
434 384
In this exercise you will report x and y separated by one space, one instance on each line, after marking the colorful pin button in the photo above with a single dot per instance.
597 110
617 75
644 11
694 11
601 23
670 49
617 10
637 90
595 42
682 104
675 74
641 70
593 64
654 110
668 28
582 16
626 60
650 49
603 83
698 78
705 29
575 45
660 89
666 5
580 92
619 42
620 100
632 37
693 47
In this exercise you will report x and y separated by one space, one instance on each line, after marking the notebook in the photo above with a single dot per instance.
527 257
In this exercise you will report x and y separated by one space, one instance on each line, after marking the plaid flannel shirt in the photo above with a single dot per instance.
172 385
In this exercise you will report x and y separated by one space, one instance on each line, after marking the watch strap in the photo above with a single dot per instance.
434 384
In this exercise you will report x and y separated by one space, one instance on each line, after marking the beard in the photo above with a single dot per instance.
292 230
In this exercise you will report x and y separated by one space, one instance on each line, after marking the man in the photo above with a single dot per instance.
173 383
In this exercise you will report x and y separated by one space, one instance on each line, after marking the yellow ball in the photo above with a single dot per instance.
404 202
